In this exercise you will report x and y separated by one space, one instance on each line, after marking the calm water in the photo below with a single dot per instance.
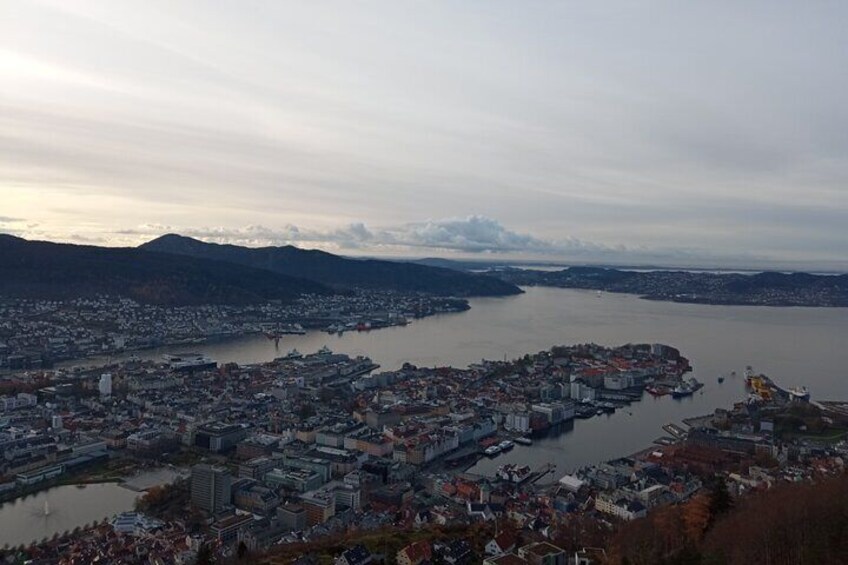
23 520
794 346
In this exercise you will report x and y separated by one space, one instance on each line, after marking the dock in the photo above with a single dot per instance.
543 471
675 430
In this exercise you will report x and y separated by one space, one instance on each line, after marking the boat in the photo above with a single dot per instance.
514 473
658 390
720 378
686 388
524 441
492 450
799 393
506 444
291 355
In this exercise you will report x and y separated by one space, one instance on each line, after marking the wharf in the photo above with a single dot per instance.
675 430
699 421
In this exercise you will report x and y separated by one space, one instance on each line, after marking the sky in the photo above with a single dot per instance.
665 133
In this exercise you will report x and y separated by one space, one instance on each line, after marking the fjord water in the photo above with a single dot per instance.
794 346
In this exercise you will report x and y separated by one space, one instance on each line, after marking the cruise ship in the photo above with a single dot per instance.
189 361
799 393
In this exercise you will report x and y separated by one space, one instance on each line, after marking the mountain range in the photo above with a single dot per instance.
175 270
40 269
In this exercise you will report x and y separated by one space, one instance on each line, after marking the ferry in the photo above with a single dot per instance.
524 441
493 450
505 445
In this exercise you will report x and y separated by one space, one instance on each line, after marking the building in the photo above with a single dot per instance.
105 385
226 530
219 437
415 553
556 412
298 480
518 422
210 487
292 517
620 507
22 400
255 498
357 555
319 506
502 543
257 468
543 553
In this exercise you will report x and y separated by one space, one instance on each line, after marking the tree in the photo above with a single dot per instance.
204 555
696 517
720 500
306 411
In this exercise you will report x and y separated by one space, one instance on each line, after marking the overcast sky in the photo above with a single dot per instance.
665 132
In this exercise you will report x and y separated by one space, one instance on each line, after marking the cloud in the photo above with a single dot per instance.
473 234
10 220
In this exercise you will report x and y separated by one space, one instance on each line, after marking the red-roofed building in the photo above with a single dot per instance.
415 553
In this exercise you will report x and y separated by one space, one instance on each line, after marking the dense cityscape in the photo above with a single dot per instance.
423 283
281 460
38 333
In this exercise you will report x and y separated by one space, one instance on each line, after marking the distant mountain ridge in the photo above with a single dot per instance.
340 272
765 289
51 271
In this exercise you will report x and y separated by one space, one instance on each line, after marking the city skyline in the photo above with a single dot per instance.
708 135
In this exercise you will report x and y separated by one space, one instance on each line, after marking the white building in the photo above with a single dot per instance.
518 421
105 385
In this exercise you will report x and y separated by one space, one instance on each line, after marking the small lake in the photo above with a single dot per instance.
24 520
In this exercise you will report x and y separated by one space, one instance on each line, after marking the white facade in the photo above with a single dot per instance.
518 421
105 385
